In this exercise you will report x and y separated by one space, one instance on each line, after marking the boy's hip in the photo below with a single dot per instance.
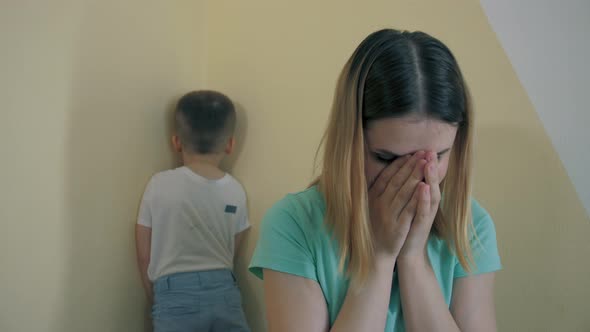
195 300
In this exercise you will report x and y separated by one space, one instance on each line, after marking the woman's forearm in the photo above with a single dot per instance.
366 310
423 304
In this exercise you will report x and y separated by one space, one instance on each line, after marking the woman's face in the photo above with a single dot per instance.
389 138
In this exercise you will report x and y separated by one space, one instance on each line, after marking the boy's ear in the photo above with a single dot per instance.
229 148
176 144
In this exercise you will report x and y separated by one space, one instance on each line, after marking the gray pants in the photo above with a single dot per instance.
206 301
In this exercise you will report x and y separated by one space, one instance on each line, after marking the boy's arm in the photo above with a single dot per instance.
238 240
143 244
242 227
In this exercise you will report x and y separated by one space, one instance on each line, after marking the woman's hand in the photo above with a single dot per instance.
428 194
394 200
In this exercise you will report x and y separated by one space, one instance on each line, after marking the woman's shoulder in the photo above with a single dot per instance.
480 216
307 199
289 235
305 208
483 242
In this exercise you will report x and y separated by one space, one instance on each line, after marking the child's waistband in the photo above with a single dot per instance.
196 279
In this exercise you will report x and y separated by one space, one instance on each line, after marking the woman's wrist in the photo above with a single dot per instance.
413 260
385 262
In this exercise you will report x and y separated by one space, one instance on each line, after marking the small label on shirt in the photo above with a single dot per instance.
231 209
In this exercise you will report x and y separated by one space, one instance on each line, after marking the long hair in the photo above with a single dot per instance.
393 74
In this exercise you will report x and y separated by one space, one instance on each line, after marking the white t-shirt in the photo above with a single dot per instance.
193 220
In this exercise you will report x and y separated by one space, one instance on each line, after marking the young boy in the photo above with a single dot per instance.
190 223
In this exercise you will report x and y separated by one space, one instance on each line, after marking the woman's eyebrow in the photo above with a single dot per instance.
396 155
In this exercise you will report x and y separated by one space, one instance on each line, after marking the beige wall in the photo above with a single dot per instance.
84 86
84 89
280 60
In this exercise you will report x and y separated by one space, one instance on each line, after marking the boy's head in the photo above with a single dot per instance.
205 122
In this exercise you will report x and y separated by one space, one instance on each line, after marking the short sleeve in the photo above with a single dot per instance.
243 223
144 217
283 245
483 245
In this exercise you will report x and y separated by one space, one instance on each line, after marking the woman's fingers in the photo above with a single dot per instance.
379 185
409 211
431 176
399 179
420 226
423 210
400 200
404 194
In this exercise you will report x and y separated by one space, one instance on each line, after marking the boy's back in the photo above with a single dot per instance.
194 221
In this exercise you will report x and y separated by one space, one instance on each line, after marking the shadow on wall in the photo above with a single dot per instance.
541 227
118 136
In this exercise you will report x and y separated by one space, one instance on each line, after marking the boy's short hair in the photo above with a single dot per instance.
204 121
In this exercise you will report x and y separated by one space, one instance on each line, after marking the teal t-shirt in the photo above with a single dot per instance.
294 239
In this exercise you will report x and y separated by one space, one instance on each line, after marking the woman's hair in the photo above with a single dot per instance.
393 74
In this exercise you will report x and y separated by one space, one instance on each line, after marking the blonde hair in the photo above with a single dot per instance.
358 99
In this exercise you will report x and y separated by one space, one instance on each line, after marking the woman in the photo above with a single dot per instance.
370 246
